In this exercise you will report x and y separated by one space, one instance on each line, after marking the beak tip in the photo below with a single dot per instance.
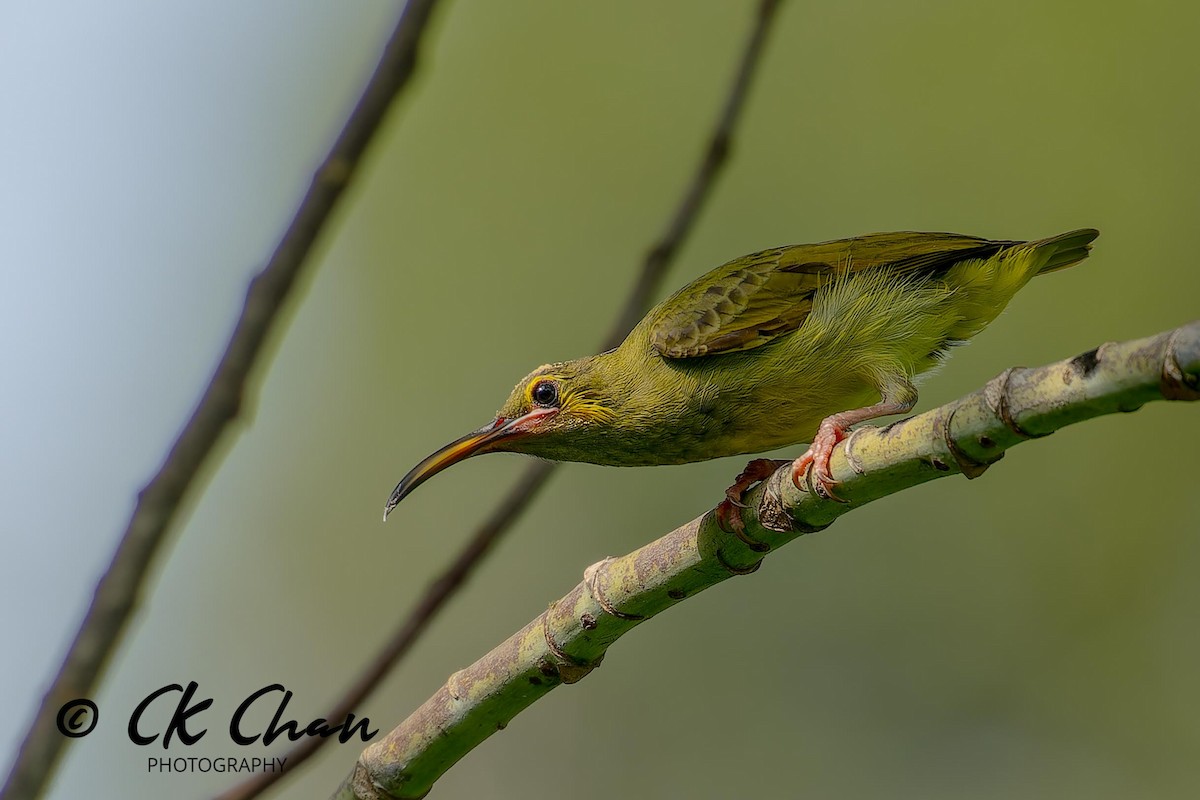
390 506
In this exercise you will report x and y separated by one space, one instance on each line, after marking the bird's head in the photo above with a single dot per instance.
554 412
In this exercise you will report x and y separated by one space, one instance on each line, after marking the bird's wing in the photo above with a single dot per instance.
756 298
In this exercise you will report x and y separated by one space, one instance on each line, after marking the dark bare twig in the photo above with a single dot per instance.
118 591
715 154
658 258
436 595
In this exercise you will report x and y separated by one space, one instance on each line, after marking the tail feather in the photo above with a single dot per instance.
1068 248
984 286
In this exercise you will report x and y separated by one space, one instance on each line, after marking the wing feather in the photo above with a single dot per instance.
756 298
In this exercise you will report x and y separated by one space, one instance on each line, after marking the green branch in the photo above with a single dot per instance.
570 638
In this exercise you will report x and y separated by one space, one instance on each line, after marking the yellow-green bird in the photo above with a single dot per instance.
793 344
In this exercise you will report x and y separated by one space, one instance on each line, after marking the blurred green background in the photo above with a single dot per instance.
1030 634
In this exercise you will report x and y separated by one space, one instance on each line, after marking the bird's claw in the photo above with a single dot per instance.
729 520
727 515
733 496
811 470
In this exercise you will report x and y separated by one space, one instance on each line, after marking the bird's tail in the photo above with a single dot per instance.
982 287
1066 249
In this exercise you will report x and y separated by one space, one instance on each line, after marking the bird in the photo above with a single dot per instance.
789 345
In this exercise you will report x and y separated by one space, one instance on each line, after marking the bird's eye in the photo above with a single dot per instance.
545 394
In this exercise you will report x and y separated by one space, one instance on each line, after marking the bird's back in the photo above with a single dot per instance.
749 301
752 355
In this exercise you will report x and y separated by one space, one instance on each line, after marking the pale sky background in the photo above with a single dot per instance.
153 153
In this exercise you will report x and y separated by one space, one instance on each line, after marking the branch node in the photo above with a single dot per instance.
773 513
453 685
737 570
967 465
567 667
593 584
1175 384
999 400
739 530
852 458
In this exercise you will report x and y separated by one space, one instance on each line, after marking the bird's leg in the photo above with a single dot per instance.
727 511
898 397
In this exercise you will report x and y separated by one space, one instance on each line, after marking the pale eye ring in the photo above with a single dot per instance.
545 394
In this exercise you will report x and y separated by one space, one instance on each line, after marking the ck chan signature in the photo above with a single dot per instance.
78 718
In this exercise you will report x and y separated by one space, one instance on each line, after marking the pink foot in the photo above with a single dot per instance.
899 397
727 515
816 458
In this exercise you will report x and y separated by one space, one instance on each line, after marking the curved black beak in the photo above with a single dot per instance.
474 443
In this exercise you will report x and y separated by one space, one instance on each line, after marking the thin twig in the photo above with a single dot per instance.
658 258
568 640
436 595
118 591
716 153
